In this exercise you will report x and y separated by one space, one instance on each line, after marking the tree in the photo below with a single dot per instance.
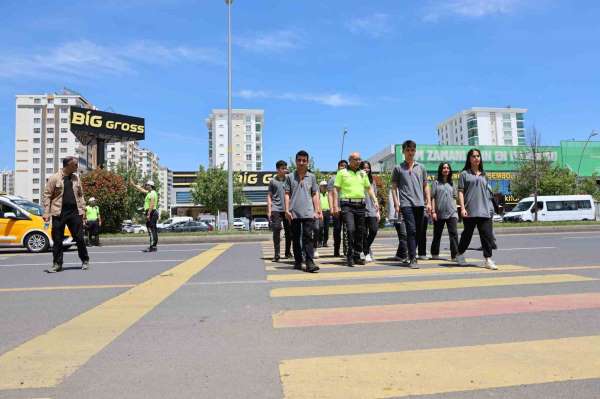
210 189
589 185
553 180
164 215
133 199
109 189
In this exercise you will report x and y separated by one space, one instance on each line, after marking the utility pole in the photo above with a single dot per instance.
229 129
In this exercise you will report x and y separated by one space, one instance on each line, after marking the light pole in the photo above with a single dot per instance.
592 134
229 130
343 138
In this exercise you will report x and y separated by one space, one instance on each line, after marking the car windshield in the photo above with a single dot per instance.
522 206
30 207
260 220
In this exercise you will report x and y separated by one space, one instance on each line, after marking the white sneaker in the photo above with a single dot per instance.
422 257
435 257
490 264
316 255
368 258
362 256
460 259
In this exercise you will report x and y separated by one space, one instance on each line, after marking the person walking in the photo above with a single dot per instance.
301 210
476 208
64 203
396 219
443 211
372 215
150 212
337 217
422 238
352 185
326 209
276 211
411 196
94 221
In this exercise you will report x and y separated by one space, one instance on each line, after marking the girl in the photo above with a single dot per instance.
443 205
372 215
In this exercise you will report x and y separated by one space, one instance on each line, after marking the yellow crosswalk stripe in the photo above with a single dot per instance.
442 370
407 286
339 264
48 359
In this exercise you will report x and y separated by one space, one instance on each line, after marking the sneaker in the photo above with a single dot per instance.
460 259
297 266
275 258
149 249
325 245
368 258
288 256
85 265
316 255
311 267
435 257
413 264
336 254
490 264
422 257
55 268
362 256
349 262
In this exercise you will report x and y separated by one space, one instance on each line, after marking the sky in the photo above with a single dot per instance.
385 70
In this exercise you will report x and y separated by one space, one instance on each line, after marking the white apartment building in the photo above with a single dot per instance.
147 162
484 126
165 175
43 139
7 182
247 132
121 153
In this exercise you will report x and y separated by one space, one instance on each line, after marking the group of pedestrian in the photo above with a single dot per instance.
306 208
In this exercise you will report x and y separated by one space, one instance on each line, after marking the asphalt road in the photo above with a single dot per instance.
222 321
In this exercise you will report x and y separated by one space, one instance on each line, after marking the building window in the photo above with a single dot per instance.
63 150
258 166
248 157
50 130
49 160
508 141
64 120
519 116
258 127
258 147
50 140
63 130
64 101
63 110
50 101
36 190
49 170
50 110
248 137
507 125
50 120
248 147
49 150
63 139
36 181
37 101
36 170
36 160
36 140
36 150
37 130
37 120
37 110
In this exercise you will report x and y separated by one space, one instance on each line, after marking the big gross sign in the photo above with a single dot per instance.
106 125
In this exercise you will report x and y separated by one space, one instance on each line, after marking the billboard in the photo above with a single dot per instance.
106 125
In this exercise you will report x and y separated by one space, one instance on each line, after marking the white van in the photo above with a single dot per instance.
554 208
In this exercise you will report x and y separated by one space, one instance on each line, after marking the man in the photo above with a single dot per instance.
64 203
150 212
301 210
276 210
325 208
94 222
411 197
350 185
337 218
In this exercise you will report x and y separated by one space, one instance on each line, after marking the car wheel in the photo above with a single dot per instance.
36 242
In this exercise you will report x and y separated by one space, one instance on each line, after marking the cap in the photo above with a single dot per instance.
323 183
92 199
150 183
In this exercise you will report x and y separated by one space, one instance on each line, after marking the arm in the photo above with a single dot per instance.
47 198
427 192
433 213
288 214
373 197
395 198
139 188
461 202
332 201
317 205
269 204
336 195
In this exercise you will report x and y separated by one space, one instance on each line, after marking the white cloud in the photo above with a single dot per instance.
85 58
275 41
469 8
374 25
329 99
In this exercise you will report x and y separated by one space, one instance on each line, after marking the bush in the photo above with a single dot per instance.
110 190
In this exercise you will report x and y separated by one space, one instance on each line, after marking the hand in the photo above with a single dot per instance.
463 213
434 216
319 215
428 207
269 215
397 209
335 211
378 216
46 218
289 216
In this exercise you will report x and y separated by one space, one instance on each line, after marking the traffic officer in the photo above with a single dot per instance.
325 208
351 185
337 219
94 221
150 212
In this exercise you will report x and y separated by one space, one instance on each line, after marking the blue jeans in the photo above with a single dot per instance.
413 220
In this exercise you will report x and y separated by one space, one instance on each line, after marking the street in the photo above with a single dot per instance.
223 321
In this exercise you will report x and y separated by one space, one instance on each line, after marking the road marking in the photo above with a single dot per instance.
92 262
66 287
45 361
385 273
407 286
579 238
523 248
434 310
442 370
340 264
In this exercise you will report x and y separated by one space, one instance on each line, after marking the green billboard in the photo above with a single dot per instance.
581 158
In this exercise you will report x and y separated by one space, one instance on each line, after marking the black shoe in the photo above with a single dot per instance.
275 258
288 255
413 263
298 266
85 265
336 254
349 262
55 268
311 267
325 245
149 249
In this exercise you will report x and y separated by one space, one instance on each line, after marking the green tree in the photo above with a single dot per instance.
133 199
109 189
164 215
553 180
210 189
589 185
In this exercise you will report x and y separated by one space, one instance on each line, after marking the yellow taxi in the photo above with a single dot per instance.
22 225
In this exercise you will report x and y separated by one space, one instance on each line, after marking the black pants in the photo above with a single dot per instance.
93 232
152 230
316 235
277 219
486 235
337 233
422 238
74 222
353 215
438 229
402 251
371 228
324 230
302 236
413 220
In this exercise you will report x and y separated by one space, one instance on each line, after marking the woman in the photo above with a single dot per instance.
372 215
443 205
475 208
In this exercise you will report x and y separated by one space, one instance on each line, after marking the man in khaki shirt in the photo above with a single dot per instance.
64 203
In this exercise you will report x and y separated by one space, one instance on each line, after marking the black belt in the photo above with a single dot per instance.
353 200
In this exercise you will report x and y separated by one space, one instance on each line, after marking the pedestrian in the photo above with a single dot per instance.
301 210
276 211
333 204
64 203
396 219
326 209
150 212
476 208
422 239
94 221
352 185
411 197
443 211
372 215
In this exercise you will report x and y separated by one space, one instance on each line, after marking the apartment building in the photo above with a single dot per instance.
7 181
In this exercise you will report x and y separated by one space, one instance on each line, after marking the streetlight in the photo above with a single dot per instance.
229 130
343 137
592 134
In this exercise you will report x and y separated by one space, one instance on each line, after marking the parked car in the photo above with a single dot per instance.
553 208
239 224
497 218
260 224
134 228
173 220
190 227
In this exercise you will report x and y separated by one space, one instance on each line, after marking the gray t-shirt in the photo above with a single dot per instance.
410 183
331 188
444 195
301 192
476 193
370 206
277 192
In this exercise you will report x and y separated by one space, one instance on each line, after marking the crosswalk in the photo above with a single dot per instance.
433 370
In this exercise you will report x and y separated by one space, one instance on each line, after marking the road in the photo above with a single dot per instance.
222 321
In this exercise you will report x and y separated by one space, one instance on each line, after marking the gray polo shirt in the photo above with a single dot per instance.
410 184
370 206
444 195
475 190
301 192
277 192
331 187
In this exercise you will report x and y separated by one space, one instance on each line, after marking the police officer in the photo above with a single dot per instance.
94 221
150 211
351 185
326 209
337 218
